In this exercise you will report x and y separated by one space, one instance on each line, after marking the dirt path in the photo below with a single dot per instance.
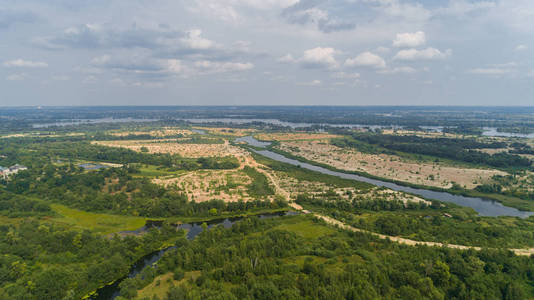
332 221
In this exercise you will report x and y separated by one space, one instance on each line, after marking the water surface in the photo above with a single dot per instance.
484 207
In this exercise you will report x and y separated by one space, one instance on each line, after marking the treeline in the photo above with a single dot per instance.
256 260
450 148
118 191
12 205
425 222
29 150
48 262
358 205
124 156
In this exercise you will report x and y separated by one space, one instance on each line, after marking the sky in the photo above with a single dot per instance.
266 52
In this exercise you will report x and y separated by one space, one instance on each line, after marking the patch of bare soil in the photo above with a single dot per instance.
167 131
294 136
228 131
185 150
200 186
390 166
295 187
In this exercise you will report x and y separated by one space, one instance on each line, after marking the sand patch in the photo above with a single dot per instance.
390 166
294 136
185 150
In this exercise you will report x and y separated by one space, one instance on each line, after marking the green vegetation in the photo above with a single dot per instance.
45 259
273 259
450 148
98 223
307 175
260 186
437 223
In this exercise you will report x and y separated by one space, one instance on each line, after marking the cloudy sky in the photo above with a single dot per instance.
292 52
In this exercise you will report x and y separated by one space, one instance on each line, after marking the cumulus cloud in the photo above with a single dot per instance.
21 63
288 58
306 12
194 40
366 59
424 54
411 40
221 67
319 57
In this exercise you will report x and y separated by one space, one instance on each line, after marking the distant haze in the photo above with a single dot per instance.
266 52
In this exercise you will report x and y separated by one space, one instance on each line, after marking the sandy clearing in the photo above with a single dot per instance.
294 187
166 131
185 150
227 131
294 136
389 166
201 186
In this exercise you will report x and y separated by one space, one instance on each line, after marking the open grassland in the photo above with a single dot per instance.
162 284
185 150
97 222
306 228
294 136
390 166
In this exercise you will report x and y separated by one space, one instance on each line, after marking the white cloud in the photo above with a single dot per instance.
288 58
425 54
521 48
174 65
194 40
411 40
319 57
366 59
210 67
25 63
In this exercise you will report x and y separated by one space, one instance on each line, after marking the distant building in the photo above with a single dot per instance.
6 172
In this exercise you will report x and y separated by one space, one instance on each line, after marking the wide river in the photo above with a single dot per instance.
485 207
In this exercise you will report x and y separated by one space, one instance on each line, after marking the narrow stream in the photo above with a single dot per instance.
484 207
111 291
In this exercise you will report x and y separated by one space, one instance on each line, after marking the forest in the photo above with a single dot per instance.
239 263
450 148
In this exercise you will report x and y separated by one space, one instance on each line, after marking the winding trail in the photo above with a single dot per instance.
329 220
400 240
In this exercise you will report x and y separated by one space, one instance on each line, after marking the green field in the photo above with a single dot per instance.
101 223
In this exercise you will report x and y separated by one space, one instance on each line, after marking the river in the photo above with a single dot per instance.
111 291
484 207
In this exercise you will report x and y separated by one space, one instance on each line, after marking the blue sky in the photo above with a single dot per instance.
295 52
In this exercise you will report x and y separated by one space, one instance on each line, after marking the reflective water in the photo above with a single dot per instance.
485 207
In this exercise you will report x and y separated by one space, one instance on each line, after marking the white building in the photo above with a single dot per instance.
6 172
